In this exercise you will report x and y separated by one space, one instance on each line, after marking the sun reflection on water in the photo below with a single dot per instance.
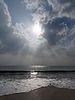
33 74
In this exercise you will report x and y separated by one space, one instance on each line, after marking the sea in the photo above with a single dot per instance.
17 82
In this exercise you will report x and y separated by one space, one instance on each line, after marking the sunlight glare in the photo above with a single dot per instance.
33 73
37 29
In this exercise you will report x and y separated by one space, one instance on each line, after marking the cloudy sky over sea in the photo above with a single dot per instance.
40 32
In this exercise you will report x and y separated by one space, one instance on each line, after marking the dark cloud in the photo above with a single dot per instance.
70 5
66 1
66 7
57 29
9 41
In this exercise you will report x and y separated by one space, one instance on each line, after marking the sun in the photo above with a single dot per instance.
37 29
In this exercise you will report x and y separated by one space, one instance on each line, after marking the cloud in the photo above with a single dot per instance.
16 38
48 9
19 45
56 16
10 42
57 29
40 9
58 20
5 18
64 8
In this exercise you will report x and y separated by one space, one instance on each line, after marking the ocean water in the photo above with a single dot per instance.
26 81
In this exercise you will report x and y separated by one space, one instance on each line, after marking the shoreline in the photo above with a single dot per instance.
43 93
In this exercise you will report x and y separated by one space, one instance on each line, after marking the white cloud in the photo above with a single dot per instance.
5 18
11 37
32 4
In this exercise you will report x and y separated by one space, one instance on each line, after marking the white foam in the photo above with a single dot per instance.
26 85
16 86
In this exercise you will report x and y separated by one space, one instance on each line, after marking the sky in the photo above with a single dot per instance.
37 32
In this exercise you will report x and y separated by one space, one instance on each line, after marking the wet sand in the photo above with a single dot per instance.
44 93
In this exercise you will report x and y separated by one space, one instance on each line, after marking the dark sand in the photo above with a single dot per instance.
47 93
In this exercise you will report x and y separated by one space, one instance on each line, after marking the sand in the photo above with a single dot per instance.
44 93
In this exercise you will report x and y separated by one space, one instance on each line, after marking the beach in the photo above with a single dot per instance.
44 93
